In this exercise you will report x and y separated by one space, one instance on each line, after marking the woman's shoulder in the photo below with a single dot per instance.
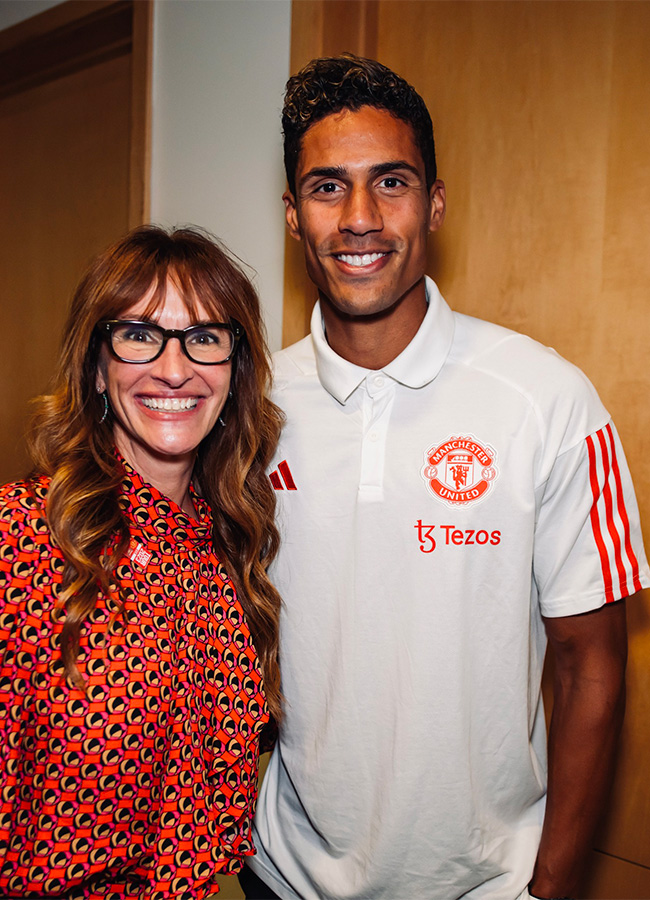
22 503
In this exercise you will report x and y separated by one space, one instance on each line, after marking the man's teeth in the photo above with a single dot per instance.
354 259
170 403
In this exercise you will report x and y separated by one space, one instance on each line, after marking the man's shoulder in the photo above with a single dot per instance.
293 362
561 398
516 359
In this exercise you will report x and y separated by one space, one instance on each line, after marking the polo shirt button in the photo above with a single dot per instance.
379 380
373 436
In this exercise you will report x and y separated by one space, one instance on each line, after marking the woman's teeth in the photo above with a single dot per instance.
170 403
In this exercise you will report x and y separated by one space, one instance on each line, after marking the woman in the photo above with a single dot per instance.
132 575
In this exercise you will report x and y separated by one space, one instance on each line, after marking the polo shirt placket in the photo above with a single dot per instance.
377 398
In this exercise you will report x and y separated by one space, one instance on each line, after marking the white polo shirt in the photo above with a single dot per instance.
430 513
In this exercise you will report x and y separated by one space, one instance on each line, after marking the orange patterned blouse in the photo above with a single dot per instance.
145 785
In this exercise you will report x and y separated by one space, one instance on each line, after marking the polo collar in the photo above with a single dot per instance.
417 364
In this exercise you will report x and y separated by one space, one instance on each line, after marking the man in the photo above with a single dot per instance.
450 495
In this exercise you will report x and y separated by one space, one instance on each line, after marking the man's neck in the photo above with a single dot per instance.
372 342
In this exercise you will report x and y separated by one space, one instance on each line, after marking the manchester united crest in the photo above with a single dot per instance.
461 470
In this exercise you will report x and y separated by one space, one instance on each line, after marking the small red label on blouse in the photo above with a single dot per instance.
139 554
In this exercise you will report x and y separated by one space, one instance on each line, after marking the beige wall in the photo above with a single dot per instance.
218 78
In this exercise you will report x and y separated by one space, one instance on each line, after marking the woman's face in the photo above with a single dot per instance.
163 409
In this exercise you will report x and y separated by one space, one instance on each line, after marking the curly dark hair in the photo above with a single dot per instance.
333 83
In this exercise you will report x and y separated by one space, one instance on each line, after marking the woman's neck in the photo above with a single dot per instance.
171 475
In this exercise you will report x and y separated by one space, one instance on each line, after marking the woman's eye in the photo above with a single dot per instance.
137 334
205 338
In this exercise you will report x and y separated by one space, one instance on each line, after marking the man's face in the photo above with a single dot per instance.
363 210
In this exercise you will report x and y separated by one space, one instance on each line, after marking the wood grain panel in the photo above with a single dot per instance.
140 121
516 125
320 28
104 32
617 879
622 322
543 134
330 27
66 183
74 124
229 888
627 824
543 139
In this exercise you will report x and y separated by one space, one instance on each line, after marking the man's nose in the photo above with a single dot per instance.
360 212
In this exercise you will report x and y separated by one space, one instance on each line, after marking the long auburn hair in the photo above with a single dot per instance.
69 444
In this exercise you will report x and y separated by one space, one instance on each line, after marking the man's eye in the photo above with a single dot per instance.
391 181
328 188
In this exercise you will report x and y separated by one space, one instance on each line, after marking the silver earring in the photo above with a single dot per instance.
221 420
105 413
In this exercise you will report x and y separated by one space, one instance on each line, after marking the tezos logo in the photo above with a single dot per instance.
461 470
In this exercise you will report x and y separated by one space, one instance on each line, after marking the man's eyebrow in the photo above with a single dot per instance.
378 169
393 165
324 172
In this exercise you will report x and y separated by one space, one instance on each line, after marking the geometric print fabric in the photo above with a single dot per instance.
144 785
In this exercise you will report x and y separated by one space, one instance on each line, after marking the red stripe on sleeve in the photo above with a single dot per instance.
609 515
275 481
622 511
595 520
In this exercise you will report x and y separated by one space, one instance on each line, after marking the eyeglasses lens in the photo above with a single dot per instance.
141 342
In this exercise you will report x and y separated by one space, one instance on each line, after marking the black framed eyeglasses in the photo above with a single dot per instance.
133 341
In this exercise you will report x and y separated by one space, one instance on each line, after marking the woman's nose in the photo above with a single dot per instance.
173 366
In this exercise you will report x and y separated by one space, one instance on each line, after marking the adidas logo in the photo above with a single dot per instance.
283 474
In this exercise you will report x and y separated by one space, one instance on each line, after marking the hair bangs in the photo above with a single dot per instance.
194 284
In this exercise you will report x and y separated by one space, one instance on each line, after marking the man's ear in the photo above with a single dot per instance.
291 214
438 200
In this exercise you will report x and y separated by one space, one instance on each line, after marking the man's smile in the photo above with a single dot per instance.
363 213
358 260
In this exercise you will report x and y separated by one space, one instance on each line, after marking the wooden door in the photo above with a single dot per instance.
74 131
541 114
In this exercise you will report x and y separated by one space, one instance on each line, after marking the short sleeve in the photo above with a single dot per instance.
588 546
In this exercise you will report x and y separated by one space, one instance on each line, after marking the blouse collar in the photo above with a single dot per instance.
159 516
